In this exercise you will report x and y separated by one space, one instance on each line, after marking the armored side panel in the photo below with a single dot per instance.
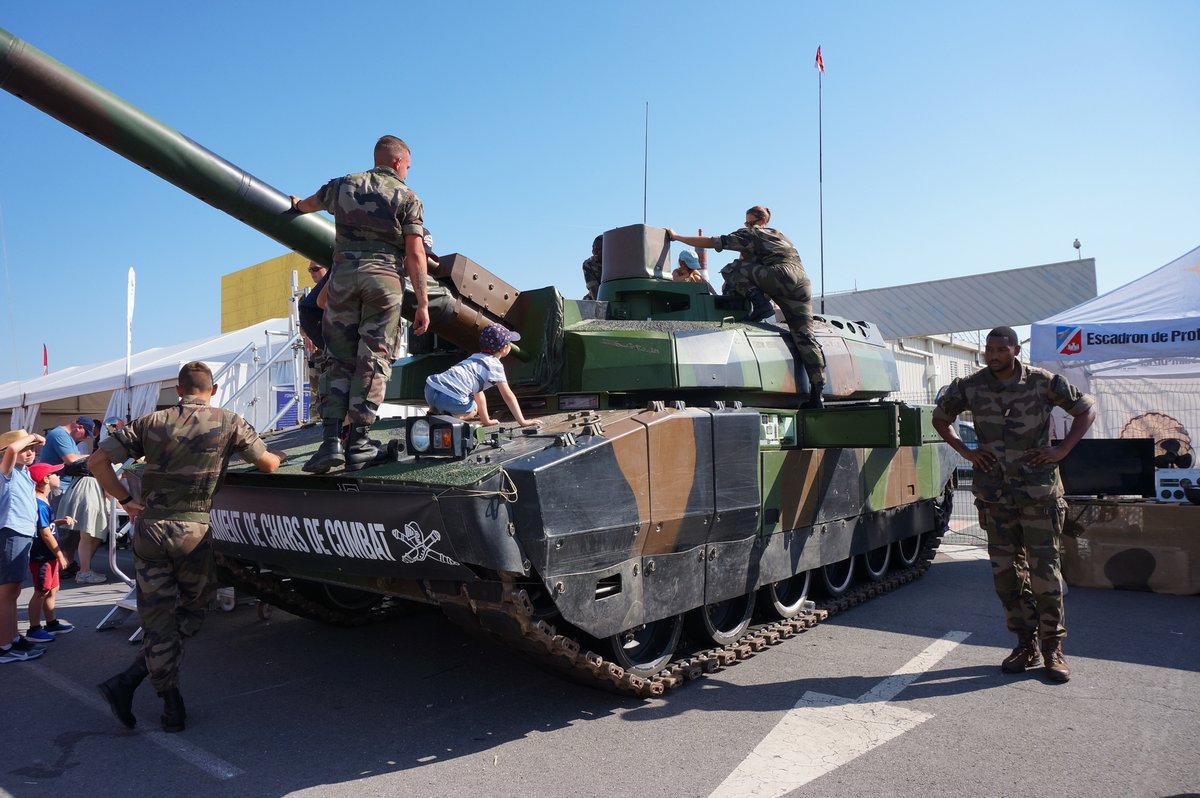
637 250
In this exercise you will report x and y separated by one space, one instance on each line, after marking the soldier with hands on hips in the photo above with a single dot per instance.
1018 491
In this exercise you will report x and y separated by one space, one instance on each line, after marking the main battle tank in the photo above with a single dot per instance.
670 515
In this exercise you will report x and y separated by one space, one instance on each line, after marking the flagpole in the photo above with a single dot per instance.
820 64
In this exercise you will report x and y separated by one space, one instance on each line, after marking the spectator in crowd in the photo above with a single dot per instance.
18 516
46 559
62 448
312 310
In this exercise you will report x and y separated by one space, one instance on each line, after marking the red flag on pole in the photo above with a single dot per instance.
820 62
45 361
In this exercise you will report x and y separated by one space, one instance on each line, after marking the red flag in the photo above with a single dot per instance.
45 361
820 62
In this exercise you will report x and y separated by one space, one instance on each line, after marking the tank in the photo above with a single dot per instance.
675 512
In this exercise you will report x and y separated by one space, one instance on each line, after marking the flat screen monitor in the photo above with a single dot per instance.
1109 467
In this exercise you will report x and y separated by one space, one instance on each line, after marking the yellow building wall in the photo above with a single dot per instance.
261 291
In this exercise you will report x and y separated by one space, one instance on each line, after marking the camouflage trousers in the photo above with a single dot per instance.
1023 545
361 323
788 285
173 563
316 367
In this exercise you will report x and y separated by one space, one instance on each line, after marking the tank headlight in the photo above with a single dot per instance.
418 436
440 436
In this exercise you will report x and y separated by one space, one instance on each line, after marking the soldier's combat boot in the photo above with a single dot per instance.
1025 655
815 400
760 306
118 691
1057 669
174 716
360 449
330 455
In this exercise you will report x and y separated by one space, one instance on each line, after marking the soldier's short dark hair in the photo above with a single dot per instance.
1007 333
195 377
392 146
760 212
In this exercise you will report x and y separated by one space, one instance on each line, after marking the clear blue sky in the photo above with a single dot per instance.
959 138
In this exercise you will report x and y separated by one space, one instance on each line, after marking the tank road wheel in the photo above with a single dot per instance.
645 650
908 550
837 577
723 622
343 599
787 596
875 563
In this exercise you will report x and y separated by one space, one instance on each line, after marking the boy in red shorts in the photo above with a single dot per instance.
46 559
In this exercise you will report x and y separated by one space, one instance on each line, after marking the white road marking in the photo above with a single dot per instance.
823 732
209 763
964 552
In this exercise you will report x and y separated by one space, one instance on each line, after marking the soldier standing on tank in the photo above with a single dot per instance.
187 448
770 267
1017 489
378 232
593 268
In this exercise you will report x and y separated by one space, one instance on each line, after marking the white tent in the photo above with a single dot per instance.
1136 349
98 390
1156 316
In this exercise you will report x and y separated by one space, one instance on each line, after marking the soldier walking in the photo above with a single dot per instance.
770 267
1018 491
378 232
187 448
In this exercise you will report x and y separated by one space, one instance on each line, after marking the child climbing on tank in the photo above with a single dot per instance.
459 390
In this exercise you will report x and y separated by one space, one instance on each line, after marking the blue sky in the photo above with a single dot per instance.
959 138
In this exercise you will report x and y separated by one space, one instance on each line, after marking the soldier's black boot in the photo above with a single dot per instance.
118 691
330 455
815 400
760 306
174 716
360 449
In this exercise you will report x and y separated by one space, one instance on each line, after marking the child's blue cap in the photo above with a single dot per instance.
494 337
689 260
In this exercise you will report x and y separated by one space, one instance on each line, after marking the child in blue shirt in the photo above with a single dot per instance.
459 391
18 515
45 559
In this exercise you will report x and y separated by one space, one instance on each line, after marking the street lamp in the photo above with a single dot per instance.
1078 254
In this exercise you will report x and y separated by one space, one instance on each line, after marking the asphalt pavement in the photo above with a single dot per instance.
900 696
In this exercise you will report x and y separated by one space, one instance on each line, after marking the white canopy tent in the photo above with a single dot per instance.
102 390
1136 349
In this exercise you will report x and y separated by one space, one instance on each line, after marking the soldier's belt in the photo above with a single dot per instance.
381 247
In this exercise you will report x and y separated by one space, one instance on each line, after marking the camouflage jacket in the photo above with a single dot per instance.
592 270
762 244
186 448
373 211
1010 420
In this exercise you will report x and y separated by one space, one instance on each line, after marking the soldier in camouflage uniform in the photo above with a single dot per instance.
187 448
593 268
378 233
770 265
1017 489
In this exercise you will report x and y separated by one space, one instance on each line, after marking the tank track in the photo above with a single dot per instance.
278 591
505 613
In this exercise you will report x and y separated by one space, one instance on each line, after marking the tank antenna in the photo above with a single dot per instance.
645 160
819 63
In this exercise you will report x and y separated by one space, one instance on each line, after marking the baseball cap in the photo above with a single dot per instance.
495 336
689 260
40 471
87 424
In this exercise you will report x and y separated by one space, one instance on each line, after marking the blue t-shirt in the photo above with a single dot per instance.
58 443
18 507
40 551
465 379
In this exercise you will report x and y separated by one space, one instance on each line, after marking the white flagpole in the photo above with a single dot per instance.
129 345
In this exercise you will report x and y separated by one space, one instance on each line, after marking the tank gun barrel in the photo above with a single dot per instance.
64 94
